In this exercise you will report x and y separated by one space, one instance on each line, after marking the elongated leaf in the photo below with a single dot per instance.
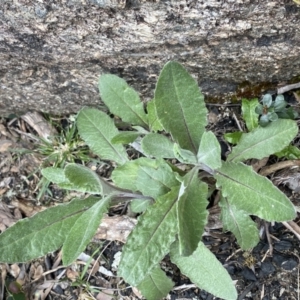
158 146
249 114
150 241
156 285
252 193
43 233
240 224
205 271
122 100
83 230
57 175
125 137
151 177
97 129
180 106
264 141
83 178
191 212
209 152
152 117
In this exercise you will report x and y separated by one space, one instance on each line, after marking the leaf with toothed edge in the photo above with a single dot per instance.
150 241
253 193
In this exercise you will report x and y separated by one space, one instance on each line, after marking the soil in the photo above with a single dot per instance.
270 271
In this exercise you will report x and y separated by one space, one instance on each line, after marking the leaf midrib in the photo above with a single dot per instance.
183 116
123 159
257 145
126 104
252 189
149 240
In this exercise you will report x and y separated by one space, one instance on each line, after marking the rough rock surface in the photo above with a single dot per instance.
52 52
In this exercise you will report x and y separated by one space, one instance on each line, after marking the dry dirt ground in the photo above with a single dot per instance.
269 271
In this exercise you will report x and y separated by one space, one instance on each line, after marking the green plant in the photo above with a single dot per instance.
174 201
270 110
65 147
250 109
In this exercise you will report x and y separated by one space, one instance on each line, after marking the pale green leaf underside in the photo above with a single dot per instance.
150 241
209 152
83 230
55 175
151 177
249 114
264 141
191 212
252 193
158 146
43 233
205 271
152 117
180 106
240 224
97 130
83 178
156 285
122 100
184 156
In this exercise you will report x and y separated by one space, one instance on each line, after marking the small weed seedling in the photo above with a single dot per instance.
173 202
58 150
270 110
252 113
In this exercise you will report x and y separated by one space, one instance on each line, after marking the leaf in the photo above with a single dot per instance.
191 212
152 117
264 120
252 193
267 100
155 285
158 146
140 205
184 156
150 241
279 103
209 152
290 152
122 100
249 114
180 106
151 177
262 142
272 116
240 224
125 137
45 232
97 130
233 137
205 271
83 178
83 230
56 175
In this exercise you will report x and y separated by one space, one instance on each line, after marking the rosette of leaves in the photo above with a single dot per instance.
172 201
270 110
